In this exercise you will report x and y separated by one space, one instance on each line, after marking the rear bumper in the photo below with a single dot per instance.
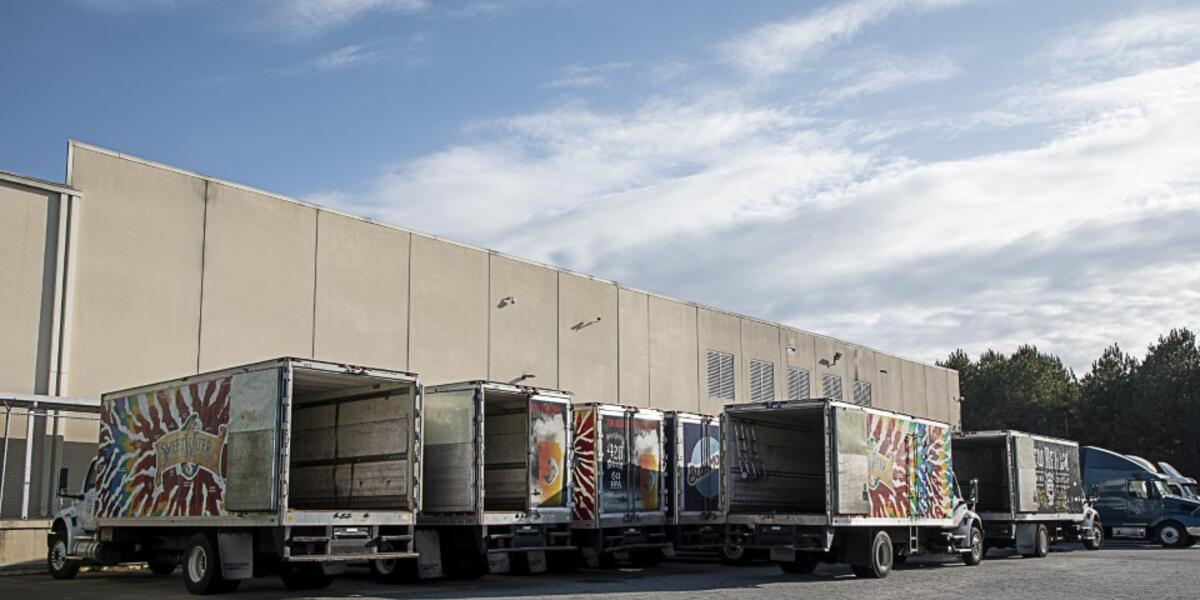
348 543
785 538
350 557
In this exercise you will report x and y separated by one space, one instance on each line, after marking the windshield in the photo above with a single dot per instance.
1162 488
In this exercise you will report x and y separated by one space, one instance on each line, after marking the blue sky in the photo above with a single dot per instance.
914 175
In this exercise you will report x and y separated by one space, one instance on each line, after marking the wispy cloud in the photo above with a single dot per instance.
1146 40
883 72
309 17
585 76
346 56
778 47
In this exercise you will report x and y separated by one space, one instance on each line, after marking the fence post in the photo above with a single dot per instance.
4 460
29 416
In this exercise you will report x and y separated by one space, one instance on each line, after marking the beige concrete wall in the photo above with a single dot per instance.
524 332
633 340
138 273
23 546
674 361
799 350
914 401
954 397
448 323
587 338
760 341
938 393
362 293
723 333
863 367
259 268
827 362
28 242
890 392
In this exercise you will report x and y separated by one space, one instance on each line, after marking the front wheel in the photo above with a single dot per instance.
1041 543
735 555
1097 541
60 566
975 544
1171 535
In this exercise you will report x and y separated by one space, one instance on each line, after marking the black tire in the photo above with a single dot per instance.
60 566
880 558
1171 535
392 570
646 558
162 566
976 544
202 566
1041 544
803 565
735 555
305 577
1097 541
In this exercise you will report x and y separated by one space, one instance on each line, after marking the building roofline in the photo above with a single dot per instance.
40 184
72 144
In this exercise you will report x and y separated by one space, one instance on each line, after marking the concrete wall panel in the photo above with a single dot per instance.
863 368
760 341
138 274
723 333
259 269
448 326
833 357
954 394
799 351
938 392
674 362
634 348
362 292
587 338
524 323
28 242
913 381
890 392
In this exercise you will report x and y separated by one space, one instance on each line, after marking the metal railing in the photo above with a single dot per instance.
39 435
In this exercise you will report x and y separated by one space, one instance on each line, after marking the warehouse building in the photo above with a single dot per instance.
133 272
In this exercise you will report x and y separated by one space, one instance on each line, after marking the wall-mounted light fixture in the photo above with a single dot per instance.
505 301
884 371
580 325
791 349
836 357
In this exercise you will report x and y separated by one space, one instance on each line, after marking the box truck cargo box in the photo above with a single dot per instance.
286 466
496 478
823 481
695 520
619 511
1029 490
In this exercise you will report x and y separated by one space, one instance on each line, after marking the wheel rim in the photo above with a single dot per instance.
1097 534
883 557
1043 541
58 554
1168 535
734 552
197 564
976 544
385 565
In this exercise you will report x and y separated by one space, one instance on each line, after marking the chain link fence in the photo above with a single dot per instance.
37 439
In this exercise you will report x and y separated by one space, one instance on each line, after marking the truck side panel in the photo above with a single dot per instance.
163 452
584 451
907 466
1049 478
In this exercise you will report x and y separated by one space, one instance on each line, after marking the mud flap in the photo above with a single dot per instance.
1026 537
536 559
429 558
237 555
591 558
781 554
498 563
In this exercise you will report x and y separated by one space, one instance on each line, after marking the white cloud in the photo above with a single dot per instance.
585 76
1146 40
888 72
778 47
308 17
345 57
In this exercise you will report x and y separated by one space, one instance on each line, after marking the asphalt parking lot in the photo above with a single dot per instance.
1118 571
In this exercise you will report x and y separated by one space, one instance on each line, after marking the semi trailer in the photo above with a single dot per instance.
497 482
1137 503
290 467
695 521
824 481
618 511
1031 492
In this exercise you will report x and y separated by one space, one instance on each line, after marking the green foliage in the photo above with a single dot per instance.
1149 408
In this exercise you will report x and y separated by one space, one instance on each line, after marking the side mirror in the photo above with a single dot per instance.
63 478
1094 494
974 491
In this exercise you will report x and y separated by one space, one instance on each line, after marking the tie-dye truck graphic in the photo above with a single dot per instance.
824 476
163 452
618 479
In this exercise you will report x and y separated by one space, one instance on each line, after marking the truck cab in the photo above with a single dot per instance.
1180 484
1136 503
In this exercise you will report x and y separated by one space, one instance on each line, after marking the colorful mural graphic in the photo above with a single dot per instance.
908 469
162 454
647 460
584 475
548 424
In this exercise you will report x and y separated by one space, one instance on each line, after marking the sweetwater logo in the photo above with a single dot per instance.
189 450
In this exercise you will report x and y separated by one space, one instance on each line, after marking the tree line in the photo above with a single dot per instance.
1149 407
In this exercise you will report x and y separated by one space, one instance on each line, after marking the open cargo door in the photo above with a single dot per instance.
549 435
252 471
854 455
699 464
645 461
615 495
1026 478
452 464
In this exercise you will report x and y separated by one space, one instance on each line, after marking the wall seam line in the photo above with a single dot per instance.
203 260
316 272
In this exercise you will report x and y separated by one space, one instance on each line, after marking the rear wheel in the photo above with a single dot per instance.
735 555
391 570
1171 535
1041 543
880 558
202 566
1097 541
803 565
60 566
975 556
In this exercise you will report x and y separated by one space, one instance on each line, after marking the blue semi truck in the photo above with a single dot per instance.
1136 502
